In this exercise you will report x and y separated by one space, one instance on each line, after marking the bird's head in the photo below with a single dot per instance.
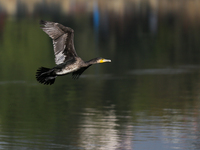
98 60
102 60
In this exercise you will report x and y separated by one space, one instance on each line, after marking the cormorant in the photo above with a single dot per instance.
66 59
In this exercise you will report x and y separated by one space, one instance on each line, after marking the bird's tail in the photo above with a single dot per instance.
45 75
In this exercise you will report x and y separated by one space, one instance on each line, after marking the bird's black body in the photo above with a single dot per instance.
66 59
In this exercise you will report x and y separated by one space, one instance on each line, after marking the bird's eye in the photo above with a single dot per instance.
101 61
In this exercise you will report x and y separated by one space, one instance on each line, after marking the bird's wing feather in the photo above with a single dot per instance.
76 74
63 41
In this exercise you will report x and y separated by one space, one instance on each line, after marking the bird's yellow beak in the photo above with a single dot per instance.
104 60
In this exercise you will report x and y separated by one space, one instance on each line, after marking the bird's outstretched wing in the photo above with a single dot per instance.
63 40
76 74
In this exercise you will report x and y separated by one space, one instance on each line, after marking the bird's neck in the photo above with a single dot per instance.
91 62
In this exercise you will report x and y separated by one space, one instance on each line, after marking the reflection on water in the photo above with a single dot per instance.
147 98
168 129
98 129
99 118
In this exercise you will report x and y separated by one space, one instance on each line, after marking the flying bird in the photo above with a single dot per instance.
66 59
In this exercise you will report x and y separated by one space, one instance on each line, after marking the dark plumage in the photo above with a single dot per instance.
66 58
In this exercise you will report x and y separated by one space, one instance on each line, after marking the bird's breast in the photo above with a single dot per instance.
67 70
69 67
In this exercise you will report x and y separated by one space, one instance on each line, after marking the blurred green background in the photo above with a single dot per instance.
147 98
